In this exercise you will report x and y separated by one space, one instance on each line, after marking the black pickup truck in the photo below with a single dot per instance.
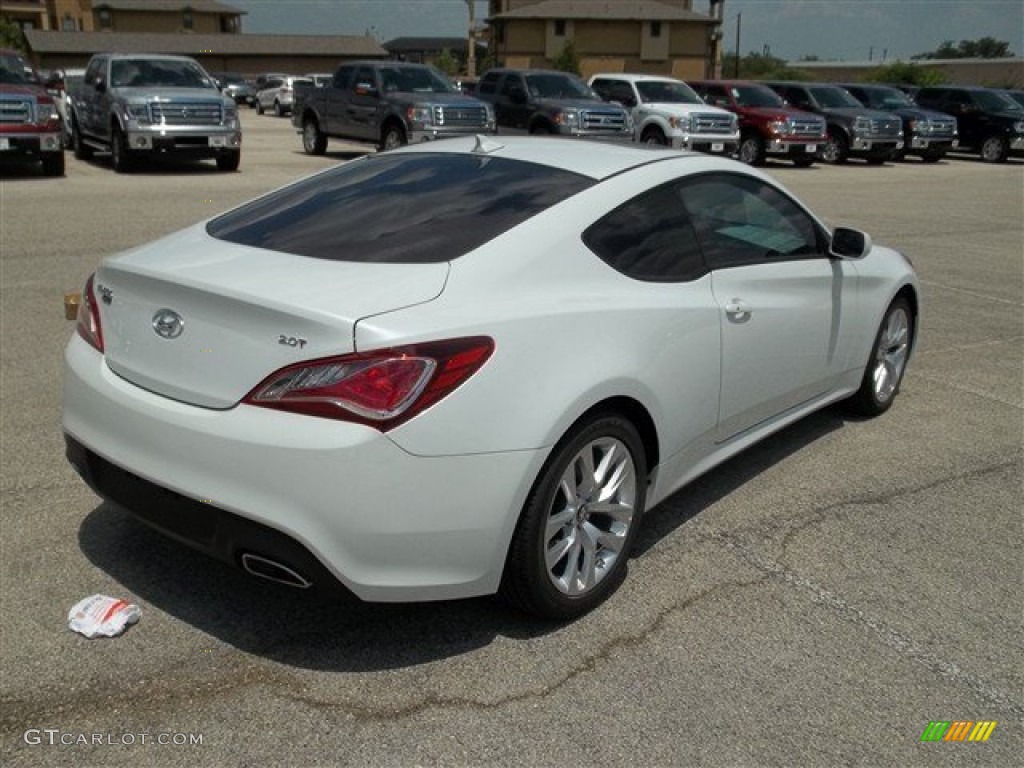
387 103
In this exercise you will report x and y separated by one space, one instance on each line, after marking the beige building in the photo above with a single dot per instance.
665 37
159 16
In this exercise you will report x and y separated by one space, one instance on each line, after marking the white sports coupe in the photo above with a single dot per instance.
470 366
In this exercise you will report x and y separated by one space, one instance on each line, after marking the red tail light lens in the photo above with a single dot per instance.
381 389
88 322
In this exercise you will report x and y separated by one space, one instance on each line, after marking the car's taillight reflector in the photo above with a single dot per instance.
382 388
88 323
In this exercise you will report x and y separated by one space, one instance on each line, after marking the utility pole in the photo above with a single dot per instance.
471 40
739 19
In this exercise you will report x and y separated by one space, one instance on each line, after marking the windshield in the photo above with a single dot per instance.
994 101
1017 96
413 80
756 96
555 86
831 97
667 92
158 73
14 70
887 98
232 79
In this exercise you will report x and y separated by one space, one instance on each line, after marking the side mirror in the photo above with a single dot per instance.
100 84
365 89
849 243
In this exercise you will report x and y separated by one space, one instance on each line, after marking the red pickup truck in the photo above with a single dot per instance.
29 121
768 127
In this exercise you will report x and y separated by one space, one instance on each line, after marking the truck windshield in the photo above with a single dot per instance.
14 70
555 86
666 92
831 97
994 101
887 98
413 80
756 96
158 73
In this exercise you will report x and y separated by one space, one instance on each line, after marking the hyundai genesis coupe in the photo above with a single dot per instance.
469 367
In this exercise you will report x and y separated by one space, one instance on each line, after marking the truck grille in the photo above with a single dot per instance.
711 123
806 127
469 117
603 120
886 128
941 128
186 113
15 111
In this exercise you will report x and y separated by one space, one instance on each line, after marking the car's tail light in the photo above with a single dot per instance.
88 323
381 389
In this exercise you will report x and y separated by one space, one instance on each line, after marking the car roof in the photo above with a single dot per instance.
597 160
634 78
162 56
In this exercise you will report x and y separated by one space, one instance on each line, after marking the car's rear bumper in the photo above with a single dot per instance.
390 526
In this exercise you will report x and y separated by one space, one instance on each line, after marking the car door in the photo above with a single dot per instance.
89 103
512 108
781 298
335 96
363 103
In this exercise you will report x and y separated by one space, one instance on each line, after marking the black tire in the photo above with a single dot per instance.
278 110
229 161
805 161
882 380
53 163
995 149
876 159
529 582
653 135
836 150
932 157
314 141
751 150
259 107
540 128
392 137
82 150
120 155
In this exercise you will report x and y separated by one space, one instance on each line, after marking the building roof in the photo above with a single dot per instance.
197 6
404 44
52 41
612 10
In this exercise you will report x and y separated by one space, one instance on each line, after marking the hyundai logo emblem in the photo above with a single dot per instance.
168 324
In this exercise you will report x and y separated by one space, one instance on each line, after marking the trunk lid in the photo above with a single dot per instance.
203 321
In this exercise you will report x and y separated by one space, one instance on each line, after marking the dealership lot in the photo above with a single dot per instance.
817 600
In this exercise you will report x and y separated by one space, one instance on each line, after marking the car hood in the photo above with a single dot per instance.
779 113
579 104
447 99
916 113
168 94
19 92
674 108
245 311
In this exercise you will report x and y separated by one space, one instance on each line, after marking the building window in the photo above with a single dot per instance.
559 27
186 18
104 17
655 29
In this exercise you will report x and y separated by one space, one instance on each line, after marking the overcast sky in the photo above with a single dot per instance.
850 30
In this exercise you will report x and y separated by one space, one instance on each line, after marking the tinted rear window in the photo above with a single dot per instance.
399 208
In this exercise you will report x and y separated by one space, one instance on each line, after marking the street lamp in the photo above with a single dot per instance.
471 40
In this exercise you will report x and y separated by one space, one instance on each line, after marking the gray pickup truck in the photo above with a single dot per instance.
386 103
142 105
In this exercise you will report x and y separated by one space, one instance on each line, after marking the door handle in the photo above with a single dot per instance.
738 310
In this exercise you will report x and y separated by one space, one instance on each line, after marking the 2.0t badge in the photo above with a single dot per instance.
168 324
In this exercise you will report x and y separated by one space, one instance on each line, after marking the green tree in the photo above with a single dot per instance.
567 59
447 63
761 66
906 72
11 36
982 48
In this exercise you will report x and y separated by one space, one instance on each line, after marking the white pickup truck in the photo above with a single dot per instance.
667 111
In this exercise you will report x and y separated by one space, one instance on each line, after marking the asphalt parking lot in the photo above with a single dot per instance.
816 601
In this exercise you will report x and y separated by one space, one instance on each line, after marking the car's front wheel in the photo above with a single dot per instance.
53 163
120 155
836 149
314 141
573 538
278 109
259 107
393 138
884 372
752 150
229 161
653 135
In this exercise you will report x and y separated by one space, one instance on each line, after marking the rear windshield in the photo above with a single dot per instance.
399 208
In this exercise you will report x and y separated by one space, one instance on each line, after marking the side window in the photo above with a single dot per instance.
513 87
741 221
715 95
649 238
364 77
623 93
489 84
342 77
603 87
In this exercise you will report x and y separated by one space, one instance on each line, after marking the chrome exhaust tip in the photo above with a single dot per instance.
265 568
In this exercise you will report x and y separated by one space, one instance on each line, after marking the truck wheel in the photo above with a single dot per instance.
229 161
53 163
932 157
278 111
804 161
393 138
653 135
752 150
836 149
120 155
259 107
314 141
82 150
541 128
994 149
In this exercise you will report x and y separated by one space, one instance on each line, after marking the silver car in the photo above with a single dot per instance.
279 94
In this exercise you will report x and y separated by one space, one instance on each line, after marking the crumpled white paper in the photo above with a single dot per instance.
102 616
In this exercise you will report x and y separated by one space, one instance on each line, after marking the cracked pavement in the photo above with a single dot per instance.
816 600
